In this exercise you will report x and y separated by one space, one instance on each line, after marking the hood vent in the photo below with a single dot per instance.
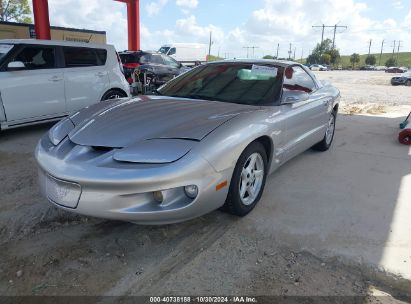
102 149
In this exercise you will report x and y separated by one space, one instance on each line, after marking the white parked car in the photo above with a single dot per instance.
186 53
318 67
43 80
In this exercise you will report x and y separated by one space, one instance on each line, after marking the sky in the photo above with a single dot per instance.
236 24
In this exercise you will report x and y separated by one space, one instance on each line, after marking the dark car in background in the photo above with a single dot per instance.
395 70
403 79
163 66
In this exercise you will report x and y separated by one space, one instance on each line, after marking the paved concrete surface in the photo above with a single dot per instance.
353 201
325 223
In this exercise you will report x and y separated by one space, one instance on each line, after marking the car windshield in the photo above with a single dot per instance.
164 49
4 49
243 83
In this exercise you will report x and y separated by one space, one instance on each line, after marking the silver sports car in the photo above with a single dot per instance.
207 139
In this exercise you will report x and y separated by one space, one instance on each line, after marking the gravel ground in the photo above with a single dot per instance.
364 87
46 251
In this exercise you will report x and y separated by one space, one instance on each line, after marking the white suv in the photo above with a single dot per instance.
43 80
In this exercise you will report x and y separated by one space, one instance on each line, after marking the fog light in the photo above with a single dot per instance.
158 196
191 191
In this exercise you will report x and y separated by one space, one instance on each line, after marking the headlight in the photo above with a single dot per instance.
60 130
191 191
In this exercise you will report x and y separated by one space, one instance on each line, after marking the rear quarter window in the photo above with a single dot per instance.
84 57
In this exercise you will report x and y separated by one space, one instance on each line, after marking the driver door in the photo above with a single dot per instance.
304 109
36 91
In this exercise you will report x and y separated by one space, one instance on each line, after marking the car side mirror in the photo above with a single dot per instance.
15 66
293 97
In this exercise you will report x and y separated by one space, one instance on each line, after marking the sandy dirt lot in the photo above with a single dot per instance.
46 251
367 91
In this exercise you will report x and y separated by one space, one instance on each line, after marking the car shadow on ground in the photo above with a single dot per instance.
347 206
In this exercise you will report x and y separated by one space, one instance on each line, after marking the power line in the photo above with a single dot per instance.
250 47
335 27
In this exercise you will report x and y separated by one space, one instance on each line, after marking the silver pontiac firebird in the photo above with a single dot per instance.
206 140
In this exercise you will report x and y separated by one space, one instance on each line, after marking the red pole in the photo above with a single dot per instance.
133 21
41 19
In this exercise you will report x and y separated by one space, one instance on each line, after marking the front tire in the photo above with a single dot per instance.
248 180
326 142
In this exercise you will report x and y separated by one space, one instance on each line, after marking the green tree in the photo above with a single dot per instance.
269 57
15 10
335 56
391 62
326 47
214 58
326 58
371 60
355 59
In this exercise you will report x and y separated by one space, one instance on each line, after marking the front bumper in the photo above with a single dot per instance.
124 191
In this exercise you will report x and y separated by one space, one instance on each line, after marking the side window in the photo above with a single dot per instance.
172 51
145 59
101 56
80 57
170 61
296 79
35 58
157 59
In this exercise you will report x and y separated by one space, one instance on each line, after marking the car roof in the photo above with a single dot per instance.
139 52
282 63
55 42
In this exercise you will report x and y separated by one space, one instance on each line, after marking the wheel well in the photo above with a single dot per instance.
268 146
335 109
115 89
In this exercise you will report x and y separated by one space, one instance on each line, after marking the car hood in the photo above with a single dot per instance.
127 122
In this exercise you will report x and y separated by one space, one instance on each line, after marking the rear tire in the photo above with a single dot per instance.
408 83
326 142
405 137
248 180
113 94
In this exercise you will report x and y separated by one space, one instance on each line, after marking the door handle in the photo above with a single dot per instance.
56 78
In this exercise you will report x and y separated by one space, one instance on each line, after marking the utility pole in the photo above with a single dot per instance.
278 48
336 26
295 49
246 47
302 55
382 47
369 47
393 49
322 32
398 52
335 31
210 43
250 47
290 52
